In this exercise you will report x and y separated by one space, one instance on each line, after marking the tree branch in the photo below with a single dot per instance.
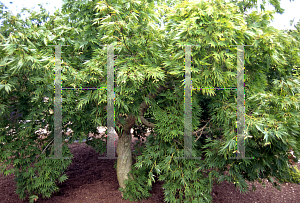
44 149
146 122
124 40
201 129
147 40
177 141
144 106
245 7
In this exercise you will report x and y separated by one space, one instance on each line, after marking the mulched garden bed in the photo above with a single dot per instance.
93 180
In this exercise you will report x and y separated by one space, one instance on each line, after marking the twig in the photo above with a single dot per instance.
201 130
177 141
44 150
124 40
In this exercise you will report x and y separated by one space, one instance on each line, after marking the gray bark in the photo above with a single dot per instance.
124 152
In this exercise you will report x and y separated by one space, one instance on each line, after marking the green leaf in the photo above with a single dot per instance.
33 198
63 178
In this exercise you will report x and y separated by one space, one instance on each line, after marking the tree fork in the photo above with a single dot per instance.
124 144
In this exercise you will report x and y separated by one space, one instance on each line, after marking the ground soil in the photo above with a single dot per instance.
93 180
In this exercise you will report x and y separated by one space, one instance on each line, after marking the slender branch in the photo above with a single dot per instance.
124 40
245 7
147 40
177 141
201 129
44 149
144 106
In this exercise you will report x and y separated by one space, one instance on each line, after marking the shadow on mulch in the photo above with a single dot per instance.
93 180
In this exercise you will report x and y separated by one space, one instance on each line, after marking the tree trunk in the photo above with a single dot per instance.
124 162
124 143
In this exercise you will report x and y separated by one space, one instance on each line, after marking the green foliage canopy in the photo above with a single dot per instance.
156 59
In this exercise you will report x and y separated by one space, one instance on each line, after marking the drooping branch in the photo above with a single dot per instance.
147 40
124 41
144 106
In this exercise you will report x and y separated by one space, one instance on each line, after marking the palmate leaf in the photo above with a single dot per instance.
7 87
63 178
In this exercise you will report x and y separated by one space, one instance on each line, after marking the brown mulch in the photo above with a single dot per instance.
93 180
